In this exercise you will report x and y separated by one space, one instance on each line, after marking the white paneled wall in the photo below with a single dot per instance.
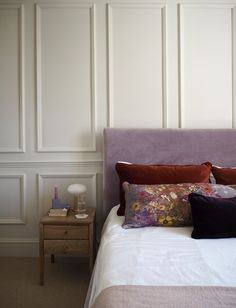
65 77
11 78
70 68
12 210
136 53
206 57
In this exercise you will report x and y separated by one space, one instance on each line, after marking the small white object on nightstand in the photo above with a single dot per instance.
81 216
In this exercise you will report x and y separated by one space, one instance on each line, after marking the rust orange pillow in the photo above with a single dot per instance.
225 176
159 174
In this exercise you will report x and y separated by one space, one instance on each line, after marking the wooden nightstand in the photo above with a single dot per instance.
68 236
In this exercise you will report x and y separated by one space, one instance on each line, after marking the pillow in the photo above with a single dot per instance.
159 174
226 176
165 204
213 217
217 190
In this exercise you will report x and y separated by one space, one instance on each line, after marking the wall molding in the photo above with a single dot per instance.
21 80
232 7
21 219
43 164
42 176
91 7
19 240
110 72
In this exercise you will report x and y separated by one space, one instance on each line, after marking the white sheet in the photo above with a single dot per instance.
160 256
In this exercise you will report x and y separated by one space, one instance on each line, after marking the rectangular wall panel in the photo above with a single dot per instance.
11 79
46 183
65 77
206 56
233 16
136 51
12 209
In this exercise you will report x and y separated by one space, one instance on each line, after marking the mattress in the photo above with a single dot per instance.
160 256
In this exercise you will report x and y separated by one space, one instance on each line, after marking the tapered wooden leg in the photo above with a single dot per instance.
91 247
41 255
41 270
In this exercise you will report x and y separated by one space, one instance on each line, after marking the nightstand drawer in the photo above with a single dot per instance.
65 232
66 247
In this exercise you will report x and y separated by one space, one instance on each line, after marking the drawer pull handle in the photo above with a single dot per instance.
66 232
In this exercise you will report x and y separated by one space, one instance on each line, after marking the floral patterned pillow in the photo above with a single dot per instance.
165 204
217 190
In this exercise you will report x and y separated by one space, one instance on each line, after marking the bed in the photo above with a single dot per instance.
161 266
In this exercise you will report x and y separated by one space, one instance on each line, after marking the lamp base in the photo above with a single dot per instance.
80 207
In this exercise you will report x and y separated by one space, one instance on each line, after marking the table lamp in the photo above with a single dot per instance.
78 191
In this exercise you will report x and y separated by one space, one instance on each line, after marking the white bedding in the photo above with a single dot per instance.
160 256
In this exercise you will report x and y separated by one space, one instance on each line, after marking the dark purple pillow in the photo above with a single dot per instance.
213 217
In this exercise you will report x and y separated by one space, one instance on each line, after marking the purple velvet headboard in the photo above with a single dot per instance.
163 146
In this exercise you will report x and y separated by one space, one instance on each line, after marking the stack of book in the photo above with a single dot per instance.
58 212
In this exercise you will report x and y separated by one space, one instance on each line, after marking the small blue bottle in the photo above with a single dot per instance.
56 202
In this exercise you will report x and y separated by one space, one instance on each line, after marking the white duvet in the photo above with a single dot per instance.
160 256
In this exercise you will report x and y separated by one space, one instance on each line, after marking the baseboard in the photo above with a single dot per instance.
19 247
